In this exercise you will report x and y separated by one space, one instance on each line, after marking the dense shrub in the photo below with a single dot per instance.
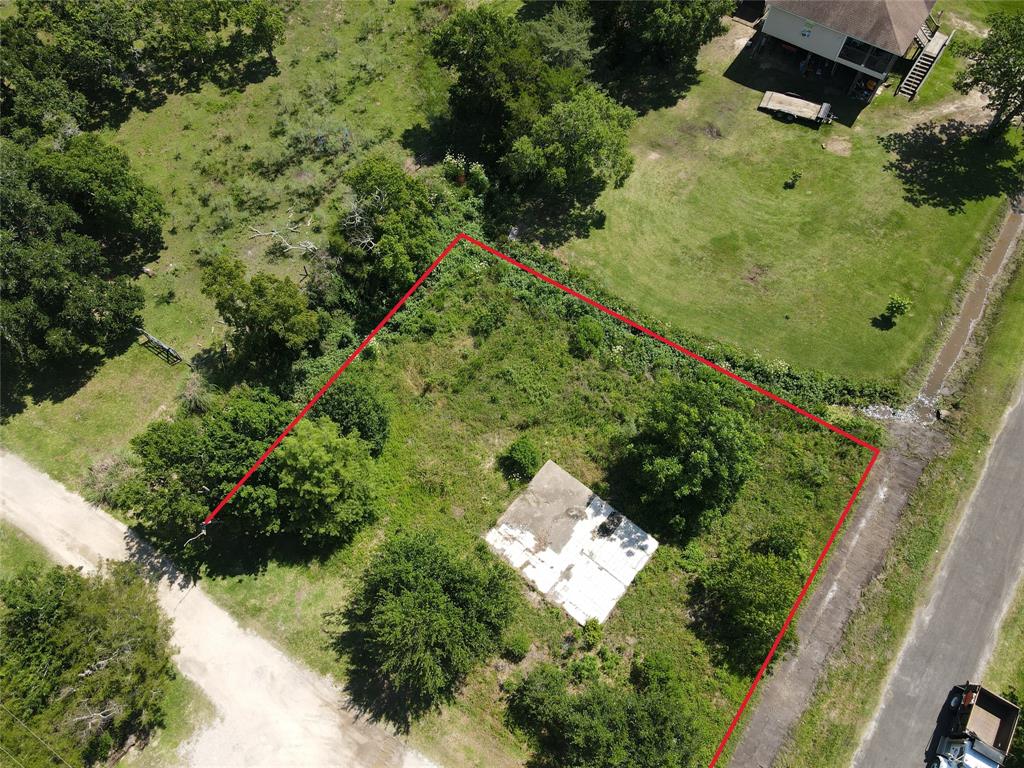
429 611
515 645
647 725
84 662
522 459
355 405
749 592
586 337
693 450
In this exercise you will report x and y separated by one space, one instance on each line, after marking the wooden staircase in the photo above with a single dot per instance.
933 44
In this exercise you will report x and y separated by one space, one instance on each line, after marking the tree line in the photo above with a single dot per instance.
77 222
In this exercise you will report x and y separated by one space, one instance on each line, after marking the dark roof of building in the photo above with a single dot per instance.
887 24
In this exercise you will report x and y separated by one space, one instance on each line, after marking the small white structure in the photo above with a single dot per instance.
552 534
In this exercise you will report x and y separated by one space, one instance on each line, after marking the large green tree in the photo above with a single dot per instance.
317 487
396 226
996 68
564 35
325 492
694 448
574 151
668 33
76 222
749 591
68 63
84 663
429 611
270 319
503 83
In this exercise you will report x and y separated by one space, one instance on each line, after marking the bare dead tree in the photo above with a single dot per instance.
307 246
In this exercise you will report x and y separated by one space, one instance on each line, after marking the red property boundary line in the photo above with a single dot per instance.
597 305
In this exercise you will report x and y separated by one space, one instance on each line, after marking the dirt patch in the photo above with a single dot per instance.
653 155
838 145
971 108
410 166
712 131
755 274
960 23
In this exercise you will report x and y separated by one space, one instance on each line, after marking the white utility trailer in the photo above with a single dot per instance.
790 107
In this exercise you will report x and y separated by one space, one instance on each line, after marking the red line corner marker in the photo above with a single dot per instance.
682 350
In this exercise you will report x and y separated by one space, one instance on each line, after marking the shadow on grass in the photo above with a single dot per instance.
57 380
950 164
883 322
774 69
369 694
643 88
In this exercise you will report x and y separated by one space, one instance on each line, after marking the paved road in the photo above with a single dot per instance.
270 711
953 635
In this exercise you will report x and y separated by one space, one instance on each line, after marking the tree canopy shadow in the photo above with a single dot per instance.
883 322
57 380
644 87
950 164
369 695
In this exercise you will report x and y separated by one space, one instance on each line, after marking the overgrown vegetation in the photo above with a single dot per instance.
484 383
85 663
486 374
318 489
427 615
645 725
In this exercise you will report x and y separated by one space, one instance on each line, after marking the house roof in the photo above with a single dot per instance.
887 24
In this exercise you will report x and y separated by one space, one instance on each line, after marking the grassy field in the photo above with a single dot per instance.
458 402
830 730
185 705
1005 673
703 234
18 552
225 161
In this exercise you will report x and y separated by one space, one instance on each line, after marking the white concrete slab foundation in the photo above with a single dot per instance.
550 535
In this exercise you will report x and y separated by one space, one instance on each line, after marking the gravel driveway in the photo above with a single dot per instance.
270 710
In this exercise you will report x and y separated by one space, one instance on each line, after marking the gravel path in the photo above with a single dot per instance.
270 710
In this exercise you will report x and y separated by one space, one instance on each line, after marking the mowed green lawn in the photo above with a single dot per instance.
703 234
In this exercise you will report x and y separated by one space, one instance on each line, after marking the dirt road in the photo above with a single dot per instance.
271 711
855 561
954 633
